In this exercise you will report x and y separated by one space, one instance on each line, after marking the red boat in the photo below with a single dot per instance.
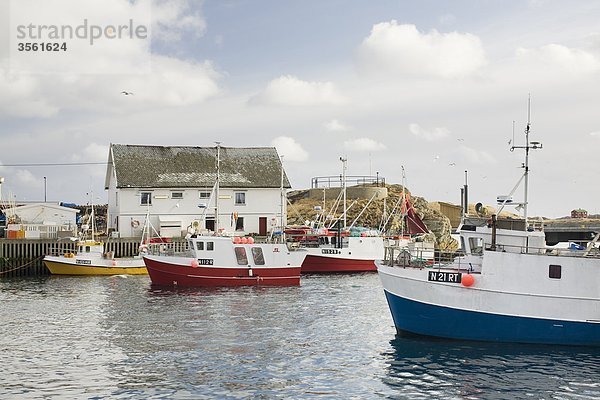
225 261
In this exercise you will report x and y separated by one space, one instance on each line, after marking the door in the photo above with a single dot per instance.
210 224
262 226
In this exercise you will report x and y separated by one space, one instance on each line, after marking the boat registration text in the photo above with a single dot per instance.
330 251
205 261
438 276
83 262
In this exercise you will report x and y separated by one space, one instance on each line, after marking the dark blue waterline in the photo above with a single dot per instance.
429 320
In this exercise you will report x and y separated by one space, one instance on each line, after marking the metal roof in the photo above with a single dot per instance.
140 166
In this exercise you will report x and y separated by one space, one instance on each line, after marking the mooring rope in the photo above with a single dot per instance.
20 266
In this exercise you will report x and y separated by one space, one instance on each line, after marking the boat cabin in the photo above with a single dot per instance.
475 236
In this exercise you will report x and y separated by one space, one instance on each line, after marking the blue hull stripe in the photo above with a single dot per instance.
425 319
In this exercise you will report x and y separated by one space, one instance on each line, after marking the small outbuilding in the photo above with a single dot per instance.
40 221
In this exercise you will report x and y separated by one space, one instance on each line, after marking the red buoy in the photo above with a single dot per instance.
194 263
467 280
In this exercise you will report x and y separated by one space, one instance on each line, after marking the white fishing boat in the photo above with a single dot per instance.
507 286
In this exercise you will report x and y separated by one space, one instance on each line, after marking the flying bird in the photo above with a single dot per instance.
460 139
452 164
126 93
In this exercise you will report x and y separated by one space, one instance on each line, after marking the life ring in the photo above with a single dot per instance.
135 223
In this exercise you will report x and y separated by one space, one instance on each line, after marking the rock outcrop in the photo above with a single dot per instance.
303 209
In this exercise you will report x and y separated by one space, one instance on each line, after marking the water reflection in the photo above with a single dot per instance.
435 368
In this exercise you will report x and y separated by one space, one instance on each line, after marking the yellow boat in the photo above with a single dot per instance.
90 259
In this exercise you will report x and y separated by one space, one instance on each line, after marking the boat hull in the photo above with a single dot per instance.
433 320
66 268
319 264
184 275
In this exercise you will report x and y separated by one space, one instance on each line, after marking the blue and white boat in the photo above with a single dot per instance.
507 286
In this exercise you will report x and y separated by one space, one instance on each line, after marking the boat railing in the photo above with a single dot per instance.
179 248
403 256
590 251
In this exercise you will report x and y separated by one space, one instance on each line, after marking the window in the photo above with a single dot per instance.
239 224
258 256
476 245
240 254
240 199
146 198
177 195
200 246
210 246
554 271
204 195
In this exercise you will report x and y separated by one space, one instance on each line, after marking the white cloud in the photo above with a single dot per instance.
447 19
174 18
335 126
399 50
289 149
93 152
108 67
428 135
474 156
555 58
24 177
288 90
363 145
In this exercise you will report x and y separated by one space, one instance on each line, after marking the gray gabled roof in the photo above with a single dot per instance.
139 166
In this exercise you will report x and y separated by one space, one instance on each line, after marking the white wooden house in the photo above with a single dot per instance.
174 185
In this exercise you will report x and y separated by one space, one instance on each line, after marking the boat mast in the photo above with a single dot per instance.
403 207
528 145
217 188
344 160
281 196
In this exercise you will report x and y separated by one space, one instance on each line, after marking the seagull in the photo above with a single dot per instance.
452 164
436 158
127 93
460 139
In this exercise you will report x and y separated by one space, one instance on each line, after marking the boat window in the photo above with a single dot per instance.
210 246
476 245
259 257
177 195
240 254
554 271
200 245
204 195
87 249
462 244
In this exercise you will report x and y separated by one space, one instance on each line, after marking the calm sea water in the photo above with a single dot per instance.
332 337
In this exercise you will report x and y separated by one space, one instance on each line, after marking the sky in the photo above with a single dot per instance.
435 88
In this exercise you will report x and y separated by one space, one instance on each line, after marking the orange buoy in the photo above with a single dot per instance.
236 240
114 263
467 280
194 263
244 240
251 240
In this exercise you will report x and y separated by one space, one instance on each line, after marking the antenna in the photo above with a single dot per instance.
525 166
217 188
344 160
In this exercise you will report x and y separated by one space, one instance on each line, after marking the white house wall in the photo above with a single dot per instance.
45 214
127 215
